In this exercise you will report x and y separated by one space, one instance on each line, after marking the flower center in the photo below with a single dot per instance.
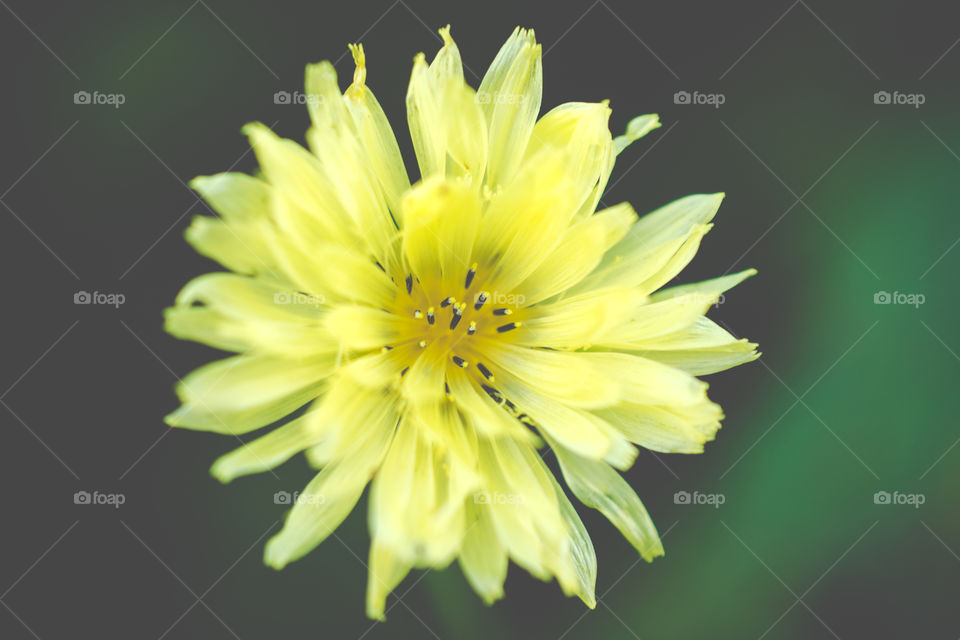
455 317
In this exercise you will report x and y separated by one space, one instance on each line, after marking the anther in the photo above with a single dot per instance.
418 314
446 302
481 300
486 372
510 326
409 283
470 274
472 329
422 344
385 349
455 320
430 317
502 312
404 372
460 362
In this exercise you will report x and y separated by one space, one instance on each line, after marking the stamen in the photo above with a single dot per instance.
430 317
486 372
447 302
481 300
455 320
409 283
460 362
502 312
422 344
470 274
418 314
472 329
493 393
510 326
404 372
386 348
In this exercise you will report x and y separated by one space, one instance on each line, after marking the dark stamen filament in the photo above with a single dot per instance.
460 362
502 312
481 300
510 326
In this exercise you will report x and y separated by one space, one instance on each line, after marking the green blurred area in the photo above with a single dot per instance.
850 398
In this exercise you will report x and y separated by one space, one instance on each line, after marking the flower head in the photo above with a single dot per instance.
439 336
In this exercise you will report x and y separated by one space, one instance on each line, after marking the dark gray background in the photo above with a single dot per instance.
94 200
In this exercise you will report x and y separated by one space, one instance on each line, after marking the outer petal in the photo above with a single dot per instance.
243 393
332 494
578 131
659 245
446 123
510 95
600 487
376 135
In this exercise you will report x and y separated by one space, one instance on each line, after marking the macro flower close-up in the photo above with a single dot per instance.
438 339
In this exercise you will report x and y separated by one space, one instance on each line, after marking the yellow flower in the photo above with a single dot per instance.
440 335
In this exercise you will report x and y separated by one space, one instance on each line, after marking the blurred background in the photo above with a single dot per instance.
823 510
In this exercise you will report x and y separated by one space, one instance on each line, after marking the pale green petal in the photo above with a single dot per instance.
636 129
597 485
483 558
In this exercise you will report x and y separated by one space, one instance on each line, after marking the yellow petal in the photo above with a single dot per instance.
243 393
600 487
332 494
580 250
510 95
440 221
376 135
652 243
577 131
264 453
483 558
